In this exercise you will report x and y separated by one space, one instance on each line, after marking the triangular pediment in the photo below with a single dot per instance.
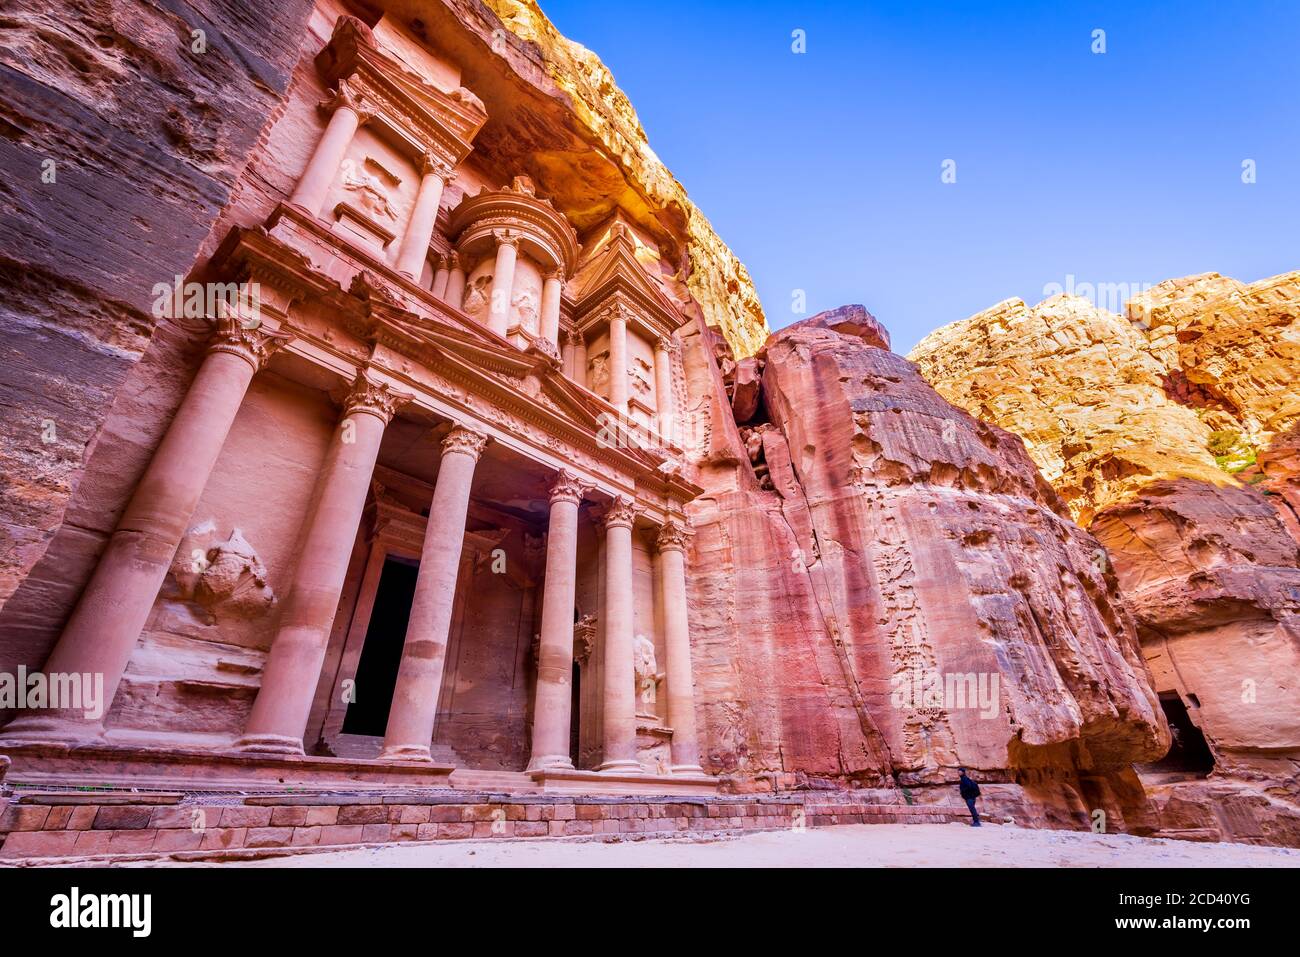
616 270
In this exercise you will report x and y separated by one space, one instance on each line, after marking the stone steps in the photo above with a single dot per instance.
45 825
505 782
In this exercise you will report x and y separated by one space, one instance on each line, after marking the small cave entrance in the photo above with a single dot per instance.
1189 753
381 655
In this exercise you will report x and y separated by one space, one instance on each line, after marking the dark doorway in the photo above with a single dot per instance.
1189 753
382 653
575 690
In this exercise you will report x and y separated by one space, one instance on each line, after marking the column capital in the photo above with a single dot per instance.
252 343
621 513
453 260
672 536
505 237
465 440
568 488
374 397
432 163
574 337
556 273
666 343
344 95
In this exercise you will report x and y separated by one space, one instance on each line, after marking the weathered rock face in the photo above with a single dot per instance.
1161 430
108 92
881 538
716 279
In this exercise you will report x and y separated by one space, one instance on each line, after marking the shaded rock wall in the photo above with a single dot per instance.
879 536
103 92
1171 433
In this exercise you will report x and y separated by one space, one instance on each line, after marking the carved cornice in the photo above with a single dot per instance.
568 488
375 397
621 513
252 344
465 441
672 536
545 232
423 116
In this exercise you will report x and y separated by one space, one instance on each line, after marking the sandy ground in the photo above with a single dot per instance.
872 845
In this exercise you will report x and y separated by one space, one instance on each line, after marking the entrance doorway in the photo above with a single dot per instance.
381 655
575 689
1189 753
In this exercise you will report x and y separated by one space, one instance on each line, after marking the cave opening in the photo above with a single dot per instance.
1189 752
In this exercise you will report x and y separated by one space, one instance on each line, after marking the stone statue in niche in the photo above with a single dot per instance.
648 676
371 195
640 376
525 307
227 579
598 373
476 297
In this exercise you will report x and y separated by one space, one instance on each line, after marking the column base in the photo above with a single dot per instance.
550 762
51 729
406 752
691 769
270 744
620 767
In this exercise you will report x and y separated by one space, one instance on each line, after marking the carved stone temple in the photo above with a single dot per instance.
393 439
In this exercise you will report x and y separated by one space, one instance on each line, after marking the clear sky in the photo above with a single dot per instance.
822 169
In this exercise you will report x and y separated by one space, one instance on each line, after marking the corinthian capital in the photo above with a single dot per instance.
620 513
465 441
568 488
435 164
253 344
374 397
344 95
672 537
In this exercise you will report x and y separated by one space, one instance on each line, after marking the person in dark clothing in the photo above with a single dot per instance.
969 792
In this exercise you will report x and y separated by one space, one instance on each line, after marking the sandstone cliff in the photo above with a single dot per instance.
860 533
1171 434
716 279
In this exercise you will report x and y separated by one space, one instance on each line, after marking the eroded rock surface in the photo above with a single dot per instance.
1171 434
902 538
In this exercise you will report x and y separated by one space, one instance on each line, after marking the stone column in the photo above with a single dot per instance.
664 387
424 654
419 228
550 310
440 277
279 715
618 361
671 553
455 296
619 710
101 634
346 117
551 712
503 282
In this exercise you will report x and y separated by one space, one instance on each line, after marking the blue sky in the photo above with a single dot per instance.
822 169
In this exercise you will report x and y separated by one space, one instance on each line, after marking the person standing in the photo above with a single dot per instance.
969 791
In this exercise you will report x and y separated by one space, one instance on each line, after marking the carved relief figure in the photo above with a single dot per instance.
369 189
640 376
525 307
225 580
598 373
648 676
476 297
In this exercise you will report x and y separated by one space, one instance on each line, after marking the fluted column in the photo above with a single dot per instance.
552 289
424 653
346 117
440 277
619 697
618 361
551 712
419 228
503 282
664 387
279 715
671 556
102 632
455 296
